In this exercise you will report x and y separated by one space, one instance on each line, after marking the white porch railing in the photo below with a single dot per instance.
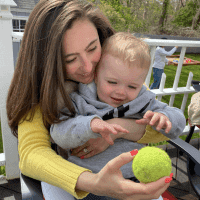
175 90
10 156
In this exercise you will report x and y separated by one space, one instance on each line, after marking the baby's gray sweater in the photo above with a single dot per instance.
76 131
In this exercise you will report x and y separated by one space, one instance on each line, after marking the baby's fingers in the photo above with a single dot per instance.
169 126
108 130
154 119
118 128
108 139
161 124
142 121
148 114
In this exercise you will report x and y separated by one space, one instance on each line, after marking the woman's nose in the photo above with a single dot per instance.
86 65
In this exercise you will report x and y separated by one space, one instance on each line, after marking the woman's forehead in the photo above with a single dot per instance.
79 36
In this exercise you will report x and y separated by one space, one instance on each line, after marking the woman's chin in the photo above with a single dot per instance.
88 80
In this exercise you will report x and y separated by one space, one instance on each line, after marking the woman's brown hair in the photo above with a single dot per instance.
40 68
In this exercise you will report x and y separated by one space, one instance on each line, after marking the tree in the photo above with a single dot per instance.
164 15
188 16
196 18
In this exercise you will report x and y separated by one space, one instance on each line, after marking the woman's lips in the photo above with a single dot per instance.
85 75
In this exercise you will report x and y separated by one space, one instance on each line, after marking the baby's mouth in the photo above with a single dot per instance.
119 100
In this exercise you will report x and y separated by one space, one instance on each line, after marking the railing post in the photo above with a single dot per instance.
179 68
178 73
148 78
6 74
162 84
6 52
185 97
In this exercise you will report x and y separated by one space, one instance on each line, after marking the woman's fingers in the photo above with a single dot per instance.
122 159
159 187
77 150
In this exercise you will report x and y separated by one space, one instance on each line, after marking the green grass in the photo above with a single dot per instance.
170 72
2 168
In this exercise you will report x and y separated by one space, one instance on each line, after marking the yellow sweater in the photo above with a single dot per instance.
39 161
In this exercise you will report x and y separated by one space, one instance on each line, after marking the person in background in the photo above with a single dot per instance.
159 64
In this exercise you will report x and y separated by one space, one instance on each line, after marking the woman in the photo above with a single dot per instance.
159 64
42 68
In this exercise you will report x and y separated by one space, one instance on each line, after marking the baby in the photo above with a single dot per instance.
117 91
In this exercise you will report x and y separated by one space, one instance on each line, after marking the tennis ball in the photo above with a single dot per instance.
151 164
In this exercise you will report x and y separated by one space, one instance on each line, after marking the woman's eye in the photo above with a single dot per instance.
131 87
111 82
70 61
92 49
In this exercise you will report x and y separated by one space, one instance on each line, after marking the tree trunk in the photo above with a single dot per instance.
195 19
146 4
164 14
181 2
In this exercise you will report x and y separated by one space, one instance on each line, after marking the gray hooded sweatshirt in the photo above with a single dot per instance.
76 131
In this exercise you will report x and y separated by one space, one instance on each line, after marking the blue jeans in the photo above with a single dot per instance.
157 75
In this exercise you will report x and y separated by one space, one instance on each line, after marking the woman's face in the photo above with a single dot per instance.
82 51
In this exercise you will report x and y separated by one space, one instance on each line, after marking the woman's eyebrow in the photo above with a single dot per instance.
72 54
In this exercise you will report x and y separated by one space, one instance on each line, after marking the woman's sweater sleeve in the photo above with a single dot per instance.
39 161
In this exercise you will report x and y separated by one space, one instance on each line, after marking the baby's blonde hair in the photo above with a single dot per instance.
127 47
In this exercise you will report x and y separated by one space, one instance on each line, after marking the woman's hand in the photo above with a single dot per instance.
94 147
110 182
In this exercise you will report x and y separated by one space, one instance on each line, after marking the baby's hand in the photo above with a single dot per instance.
159 120
105 129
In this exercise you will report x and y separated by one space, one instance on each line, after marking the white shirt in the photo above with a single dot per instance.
160 57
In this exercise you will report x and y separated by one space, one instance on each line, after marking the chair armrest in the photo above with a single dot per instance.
188 149
30 188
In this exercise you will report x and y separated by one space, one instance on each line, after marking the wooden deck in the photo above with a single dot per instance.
179 187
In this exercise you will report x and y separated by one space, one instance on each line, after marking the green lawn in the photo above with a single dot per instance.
170 72
2 168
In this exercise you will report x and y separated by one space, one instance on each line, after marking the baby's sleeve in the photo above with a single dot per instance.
73 132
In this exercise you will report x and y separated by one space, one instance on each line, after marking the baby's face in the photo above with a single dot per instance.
117 83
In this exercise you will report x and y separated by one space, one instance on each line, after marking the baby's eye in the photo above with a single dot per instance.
111 82
70 61
92 49
132 87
